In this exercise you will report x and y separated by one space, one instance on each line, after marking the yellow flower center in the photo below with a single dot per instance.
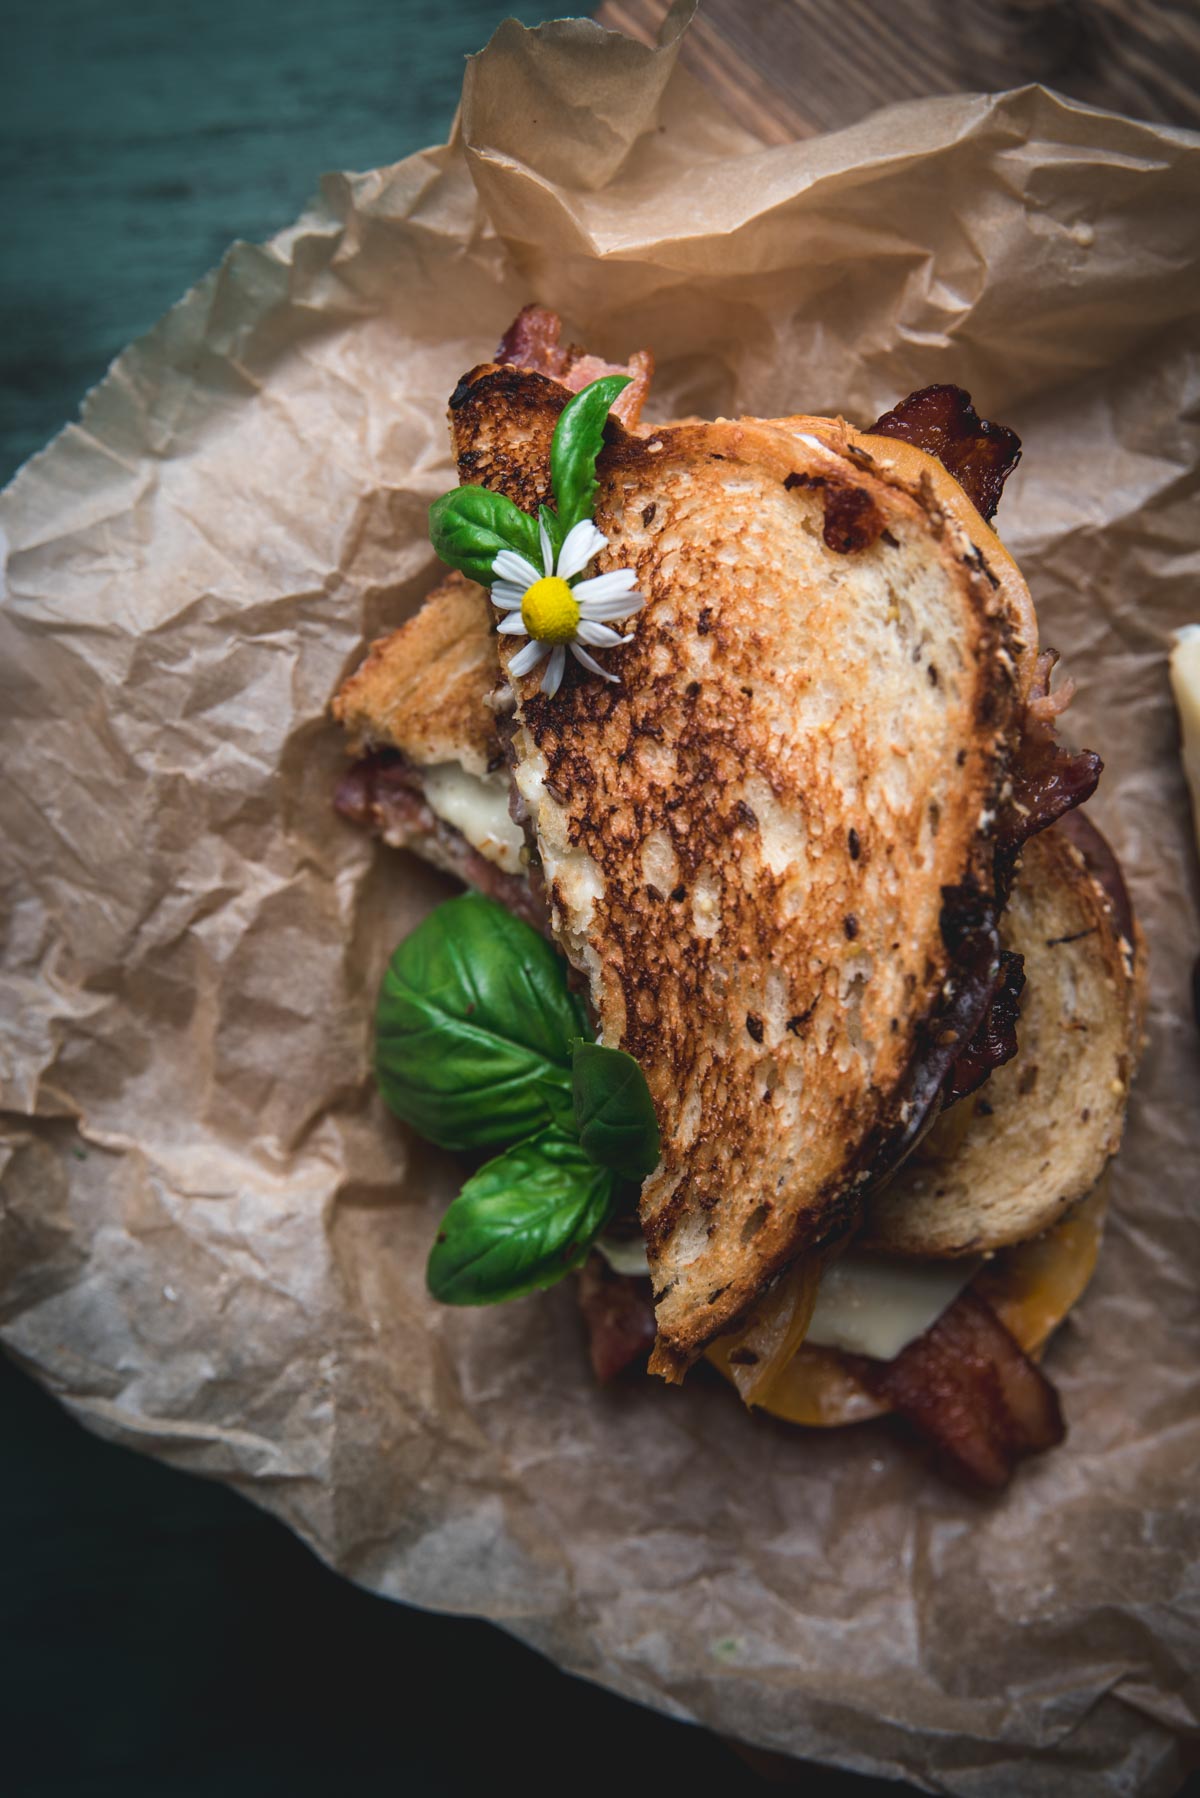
550 611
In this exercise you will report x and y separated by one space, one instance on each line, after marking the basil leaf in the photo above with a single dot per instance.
520 1223
614 1113
473 1028
577 441
469 527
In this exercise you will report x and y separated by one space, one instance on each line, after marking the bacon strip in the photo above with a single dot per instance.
383 793
942 421
995 1041
532 342
970 1389
619 1313
1047 780
970 932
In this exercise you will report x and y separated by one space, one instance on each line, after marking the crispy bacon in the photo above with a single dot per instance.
532 342
1047 780
970 932
383 794
995 1041
942 421
619 1313
971 1390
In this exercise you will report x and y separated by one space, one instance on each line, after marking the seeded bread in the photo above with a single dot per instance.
1007 1162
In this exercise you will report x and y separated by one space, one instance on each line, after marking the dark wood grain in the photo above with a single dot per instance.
787 69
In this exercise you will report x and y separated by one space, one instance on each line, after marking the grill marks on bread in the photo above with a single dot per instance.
775 698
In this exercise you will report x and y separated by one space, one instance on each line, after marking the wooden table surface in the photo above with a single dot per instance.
159 1635
790 68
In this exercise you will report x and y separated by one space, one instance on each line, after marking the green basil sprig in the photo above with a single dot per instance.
520 1223
470 526
473 1028
577 442
614 1113
481 1044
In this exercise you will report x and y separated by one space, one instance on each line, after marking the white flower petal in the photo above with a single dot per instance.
512 626
547 548
590 663
552 679
599 635
607 586
527 659
600 610
507 597
509 566
583 541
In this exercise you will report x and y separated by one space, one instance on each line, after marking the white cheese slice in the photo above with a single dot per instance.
1185 684
867 1305
625 1255
476 805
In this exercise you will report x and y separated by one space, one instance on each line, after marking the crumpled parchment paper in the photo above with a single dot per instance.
212 1237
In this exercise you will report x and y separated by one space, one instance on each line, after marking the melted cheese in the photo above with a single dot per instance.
1030 1288
1185 683
871 1306
625 1255
866 1305
476 805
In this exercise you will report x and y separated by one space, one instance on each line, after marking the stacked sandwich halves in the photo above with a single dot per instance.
806 854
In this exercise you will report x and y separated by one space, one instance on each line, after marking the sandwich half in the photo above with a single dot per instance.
771 850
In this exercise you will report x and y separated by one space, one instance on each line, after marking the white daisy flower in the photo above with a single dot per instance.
557 616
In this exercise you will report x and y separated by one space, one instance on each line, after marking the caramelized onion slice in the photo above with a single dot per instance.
770 1337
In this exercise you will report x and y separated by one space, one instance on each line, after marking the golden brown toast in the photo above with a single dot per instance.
746 842
423 690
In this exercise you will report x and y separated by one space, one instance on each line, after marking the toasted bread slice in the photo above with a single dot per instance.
1007 1162
423 690
746 842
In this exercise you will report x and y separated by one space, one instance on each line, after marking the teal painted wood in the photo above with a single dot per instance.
138 138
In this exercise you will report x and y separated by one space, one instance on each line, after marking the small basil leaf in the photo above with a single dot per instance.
577 441
473 1028
614 1113
521 1223
469 527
